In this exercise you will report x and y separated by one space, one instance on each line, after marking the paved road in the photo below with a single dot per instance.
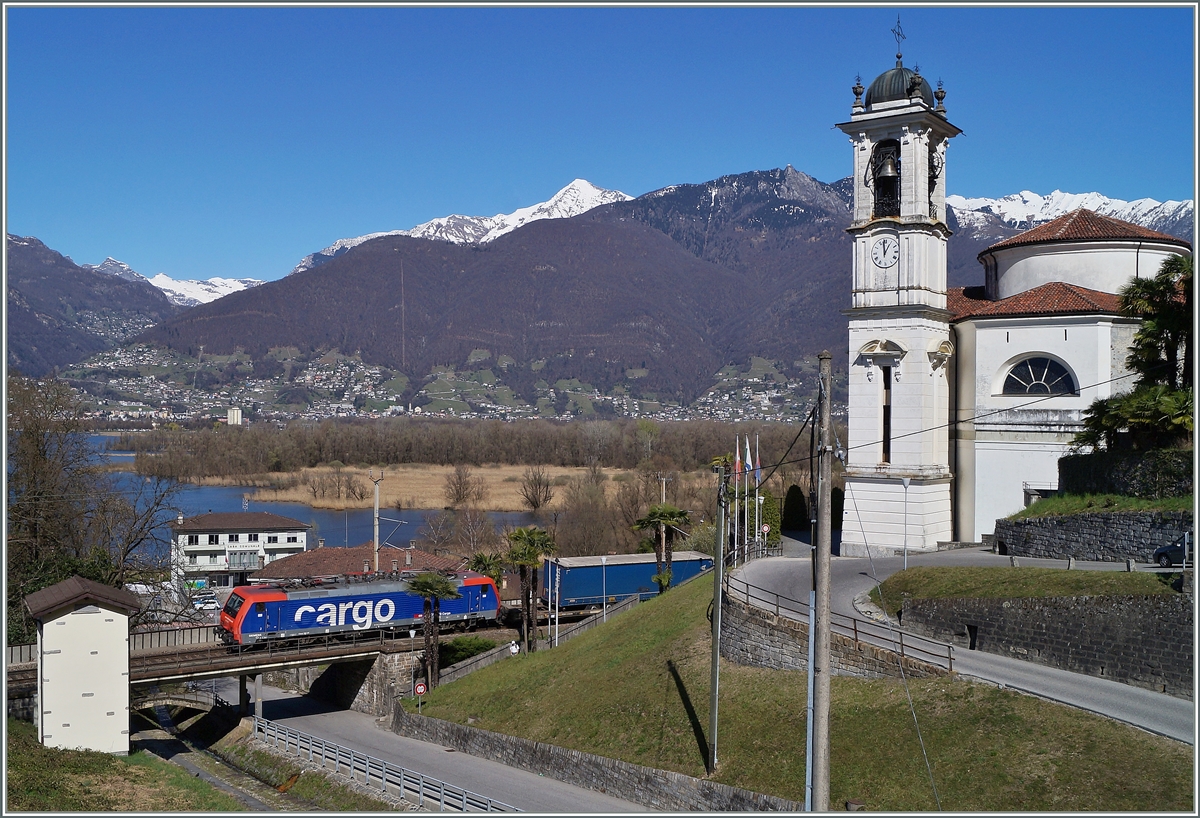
527 791
1158 713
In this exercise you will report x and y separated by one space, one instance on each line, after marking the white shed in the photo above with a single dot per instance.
83 665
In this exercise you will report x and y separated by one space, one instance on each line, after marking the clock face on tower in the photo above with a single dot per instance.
885 252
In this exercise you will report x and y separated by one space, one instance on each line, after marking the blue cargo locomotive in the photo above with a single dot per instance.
255 613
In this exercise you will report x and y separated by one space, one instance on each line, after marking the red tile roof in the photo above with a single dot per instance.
1084 225
240 521
77 589
1055 298
330 562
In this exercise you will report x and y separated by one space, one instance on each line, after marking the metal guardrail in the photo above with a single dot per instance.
860 630
425 791
138 641
170 638
21 654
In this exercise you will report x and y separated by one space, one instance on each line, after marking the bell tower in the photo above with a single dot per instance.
898 479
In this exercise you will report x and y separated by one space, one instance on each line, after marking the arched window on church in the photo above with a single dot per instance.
1039 376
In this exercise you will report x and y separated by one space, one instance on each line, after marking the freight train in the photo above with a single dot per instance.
579 582
255 613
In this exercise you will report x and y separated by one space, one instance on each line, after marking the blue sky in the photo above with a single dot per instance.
231 142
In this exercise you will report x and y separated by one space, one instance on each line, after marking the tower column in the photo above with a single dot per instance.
898 478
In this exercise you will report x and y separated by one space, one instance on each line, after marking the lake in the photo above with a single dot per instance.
338 528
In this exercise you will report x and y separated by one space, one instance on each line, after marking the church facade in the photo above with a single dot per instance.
962 400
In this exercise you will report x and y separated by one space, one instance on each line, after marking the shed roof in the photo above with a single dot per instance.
77 589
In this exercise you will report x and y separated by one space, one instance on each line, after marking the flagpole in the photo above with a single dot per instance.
757 491
745 534
737 467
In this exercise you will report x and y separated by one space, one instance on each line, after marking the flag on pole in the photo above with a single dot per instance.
737 455
749 459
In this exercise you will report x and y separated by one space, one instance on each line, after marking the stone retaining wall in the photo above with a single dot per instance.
660 790
1099 536
752 636
1144 641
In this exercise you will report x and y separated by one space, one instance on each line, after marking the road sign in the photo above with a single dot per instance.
766 529
420 689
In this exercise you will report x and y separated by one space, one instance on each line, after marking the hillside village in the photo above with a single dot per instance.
144 383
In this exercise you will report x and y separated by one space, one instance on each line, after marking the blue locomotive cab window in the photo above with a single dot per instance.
233 604
1039 376
260 608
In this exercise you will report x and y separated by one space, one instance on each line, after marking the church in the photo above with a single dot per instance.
962 400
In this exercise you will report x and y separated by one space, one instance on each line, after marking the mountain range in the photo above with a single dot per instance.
651 295
578 197
180 293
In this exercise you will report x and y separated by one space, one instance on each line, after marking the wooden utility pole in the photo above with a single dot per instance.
819 630
718 579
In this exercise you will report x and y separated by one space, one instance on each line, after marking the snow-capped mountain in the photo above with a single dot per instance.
578 197
1027 209
191 293
116 268
182 293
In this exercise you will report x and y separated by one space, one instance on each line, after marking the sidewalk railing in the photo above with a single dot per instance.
860 630
392 779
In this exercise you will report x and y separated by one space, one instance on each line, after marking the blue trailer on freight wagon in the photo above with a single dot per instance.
580 582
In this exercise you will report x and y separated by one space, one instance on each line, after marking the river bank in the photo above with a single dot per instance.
414 486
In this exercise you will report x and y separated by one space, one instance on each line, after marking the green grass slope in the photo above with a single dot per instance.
1002 582
637 689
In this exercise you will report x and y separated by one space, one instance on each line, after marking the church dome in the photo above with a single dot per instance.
893 85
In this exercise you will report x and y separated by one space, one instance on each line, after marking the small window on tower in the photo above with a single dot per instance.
887 415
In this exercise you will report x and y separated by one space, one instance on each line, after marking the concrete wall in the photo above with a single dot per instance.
1145 641
366 685
655 789
1103 537
758 638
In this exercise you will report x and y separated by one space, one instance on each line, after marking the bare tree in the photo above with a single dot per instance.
474 532
66 514
535 488
438 531
462 488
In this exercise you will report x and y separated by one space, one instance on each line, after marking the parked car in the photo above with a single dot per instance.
1172 554
205 602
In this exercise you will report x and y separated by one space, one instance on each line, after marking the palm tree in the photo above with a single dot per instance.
489 564
527 547
433 587
665 519
1164 303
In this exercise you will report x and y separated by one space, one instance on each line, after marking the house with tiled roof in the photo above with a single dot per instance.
322 563
220 550
961 401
